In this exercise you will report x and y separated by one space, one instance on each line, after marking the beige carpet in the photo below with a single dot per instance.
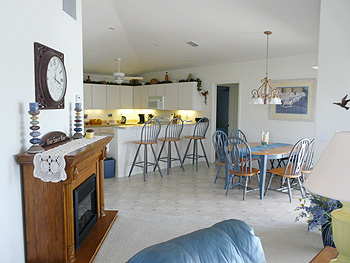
162 208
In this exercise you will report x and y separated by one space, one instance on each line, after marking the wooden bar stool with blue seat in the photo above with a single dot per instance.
200 129
172 134
219 138
149 135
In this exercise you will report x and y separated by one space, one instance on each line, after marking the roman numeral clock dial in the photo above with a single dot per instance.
50 77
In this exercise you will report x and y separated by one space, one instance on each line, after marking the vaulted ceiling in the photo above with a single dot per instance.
151 35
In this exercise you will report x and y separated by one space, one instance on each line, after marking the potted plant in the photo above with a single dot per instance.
318 209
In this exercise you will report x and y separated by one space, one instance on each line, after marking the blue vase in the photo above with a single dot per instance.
327 235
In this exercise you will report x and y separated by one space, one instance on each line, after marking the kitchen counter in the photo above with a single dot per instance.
125 126
125 149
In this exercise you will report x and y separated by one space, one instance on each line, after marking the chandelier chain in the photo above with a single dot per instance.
267 55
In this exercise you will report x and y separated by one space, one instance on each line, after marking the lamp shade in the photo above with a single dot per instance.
331 175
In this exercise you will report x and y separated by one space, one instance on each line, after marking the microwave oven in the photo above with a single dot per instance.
155 102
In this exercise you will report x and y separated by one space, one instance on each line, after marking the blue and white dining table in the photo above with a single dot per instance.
264 153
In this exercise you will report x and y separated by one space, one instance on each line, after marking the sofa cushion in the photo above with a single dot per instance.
228 241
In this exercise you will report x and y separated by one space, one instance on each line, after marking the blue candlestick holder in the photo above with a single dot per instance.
35 140
78 124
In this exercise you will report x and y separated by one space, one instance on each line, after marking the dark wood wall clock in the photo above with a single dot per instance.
50 77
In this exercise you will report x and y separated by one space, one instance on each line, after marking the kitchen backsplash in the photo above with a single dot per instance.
132 114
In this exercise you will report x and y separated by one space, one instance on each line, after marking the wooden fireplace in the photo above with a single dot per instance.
49 209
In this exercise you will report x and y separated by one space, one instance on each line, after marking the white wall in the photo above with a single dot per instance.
253 118
333 72
22 24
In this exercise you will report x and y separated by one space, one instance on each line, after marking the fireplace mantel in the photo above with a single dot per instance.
48 207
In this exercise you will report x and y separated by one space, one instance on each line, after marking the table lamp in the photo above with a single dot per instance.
331 178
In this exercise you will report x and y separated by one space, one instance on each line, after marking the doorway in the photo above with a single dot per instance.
227 107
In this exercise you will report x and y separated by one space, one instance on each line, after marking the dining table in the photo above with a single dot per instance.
268 152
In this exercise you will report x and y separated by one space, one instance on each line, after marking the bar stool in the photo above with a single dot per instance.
149 135
200 129
172 134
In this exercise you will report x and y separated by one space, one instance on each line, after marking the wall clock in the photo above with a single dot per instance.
50 77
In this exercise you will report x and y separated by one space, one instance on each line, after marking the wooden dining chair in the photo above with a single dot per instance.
293 168
239 160
172 135
240 134
149 135
219 138
200 129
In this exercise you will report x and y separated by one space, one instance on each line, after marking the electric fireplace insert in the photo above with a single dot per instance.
85 209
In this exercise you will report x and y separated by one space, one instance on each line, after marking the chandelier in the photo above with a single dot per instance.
266 94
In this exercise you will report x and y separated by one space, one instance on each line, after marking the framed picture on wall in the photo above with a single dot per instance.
298 100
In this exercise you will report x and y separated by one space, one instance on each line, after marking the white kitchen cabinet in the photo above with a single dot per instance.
152 90
137 97
99 97
189 97
113 97
126 97
171 95
87 96
144 94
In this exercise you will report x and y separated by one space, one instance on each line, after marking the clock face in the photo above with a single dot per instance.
56 78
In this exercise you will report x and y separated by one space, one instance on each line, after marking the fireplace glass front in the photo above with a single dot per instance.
85 209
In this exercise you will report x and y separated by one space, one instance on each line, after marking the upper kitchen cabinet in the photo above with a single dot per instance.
94 96
137 97
126 97
99 97
87 96
189 98
156 90
171 96
113 97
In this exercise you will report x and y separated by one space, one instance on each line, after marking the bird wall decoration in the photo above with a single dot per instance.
343 102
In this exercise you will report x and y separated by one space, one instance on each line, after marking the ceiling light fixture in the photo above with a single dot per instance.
266 94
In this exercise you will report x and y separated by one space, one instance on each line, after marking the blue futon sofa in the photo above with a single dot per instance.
228 241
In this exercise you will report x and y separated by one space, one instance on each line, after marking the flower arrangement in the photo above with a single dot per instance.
319 211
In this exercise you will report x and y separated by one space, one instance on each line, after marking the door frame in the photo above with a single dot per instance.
214 89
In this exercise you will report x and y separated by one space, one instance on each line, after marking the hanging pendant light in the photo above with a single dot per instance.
266 94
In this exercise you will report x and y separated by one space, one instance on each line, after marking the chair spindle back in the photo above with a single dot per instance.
219 138
201 127
150 131
297 157
238 155
174 128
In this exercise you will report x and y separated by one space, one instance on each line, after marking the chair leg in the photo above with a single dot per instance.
194 150
196 143
205 155
155 158
188 146
228 185
178 154
245 187
217 175
289 190
133 163
160 153
145 163
268 185
301 188
169 154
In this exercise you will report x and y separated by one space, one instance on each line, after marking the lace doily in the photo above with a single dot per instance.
49 166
